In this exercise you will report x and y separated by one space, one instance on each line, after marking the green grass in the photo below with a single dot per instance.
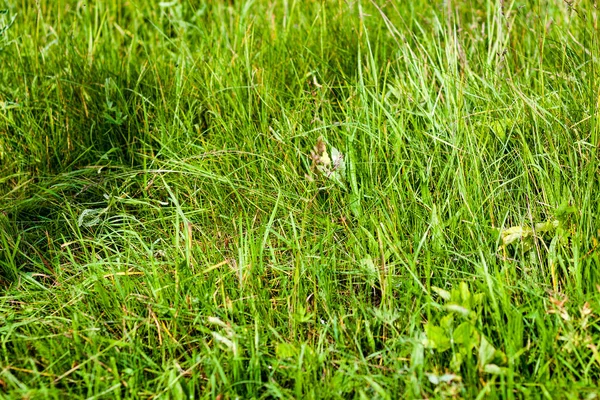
164 231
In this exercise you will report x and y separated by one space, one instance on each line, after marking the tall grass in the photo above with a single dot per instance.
165 230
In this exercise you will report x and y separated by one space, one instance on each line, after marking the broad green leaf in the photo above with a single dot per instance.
447 322
436 338
457 360
494 369
515 233
465 312
417 356
466 335
446 378
486 352
465 293
444 294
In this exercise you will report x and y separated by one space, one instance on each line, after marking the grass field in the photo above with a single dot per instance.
299 199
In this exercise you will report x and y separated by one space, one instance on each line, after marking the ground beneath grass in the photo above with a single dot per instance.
299 199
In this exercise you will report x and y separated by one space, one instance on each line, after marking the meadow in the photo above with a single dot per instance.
299 199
